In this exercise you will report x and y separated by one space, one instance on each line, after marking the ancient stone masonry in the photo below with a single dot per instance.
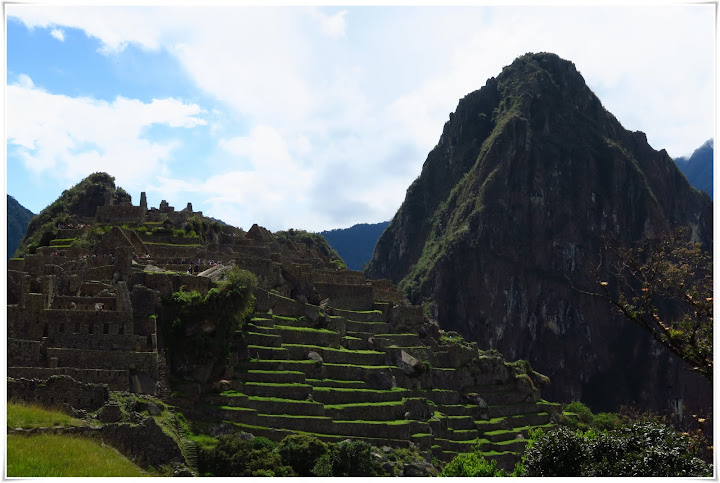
326 351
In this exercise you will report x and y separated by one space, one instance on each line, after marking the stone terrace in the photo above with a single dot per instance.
326 353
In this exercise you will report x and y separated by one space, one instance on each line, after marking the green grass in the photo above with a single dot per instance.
398 422
50 455
366 404
24 415
61 241
278 384
279 399
194 245
350 389
259 371
313 382
342 349
305 329
236 408
357 365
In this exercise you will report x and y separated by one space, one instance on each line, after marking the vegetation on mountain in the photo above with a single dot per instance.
699 167
18 219
530 173
81 200
314 241
202 325
355 244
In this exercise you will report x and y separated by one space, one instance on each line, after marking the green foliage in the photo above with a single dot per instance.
348 458
635 449
53 455
80 200
234 456
18 219
26 415
301 452
583 413
313 241
665 286
222 309
471 464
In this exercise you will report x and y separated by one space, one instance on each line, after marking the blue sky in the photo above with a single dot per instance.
307 117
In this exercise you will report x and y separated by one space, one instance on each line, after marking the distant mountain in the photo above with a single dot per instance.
355 244
511 210
699 167
18 219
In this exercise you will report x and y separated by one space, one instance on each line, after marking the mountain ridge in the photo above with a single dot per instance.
529 174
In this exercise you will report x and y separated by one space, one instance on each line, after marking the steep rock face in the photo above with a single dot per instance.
528 176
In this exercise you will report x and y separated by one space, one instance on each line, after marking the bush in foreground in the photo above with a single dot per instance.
636 449
471 464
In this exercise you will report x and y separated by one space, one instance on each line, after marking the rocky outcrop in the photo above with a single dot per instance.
530 174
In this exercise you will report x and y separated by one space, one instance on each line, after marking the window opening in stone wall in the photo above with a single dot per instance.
106 329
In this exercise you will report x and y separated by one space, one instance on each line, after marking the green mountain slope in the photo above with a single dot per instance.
18 219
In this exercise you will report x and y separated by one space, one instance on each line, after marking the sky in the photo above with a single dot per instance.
311 117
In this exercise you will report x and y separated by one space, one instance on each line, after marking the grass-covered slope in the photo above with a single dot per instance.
80 201
56 455
18 219
314 241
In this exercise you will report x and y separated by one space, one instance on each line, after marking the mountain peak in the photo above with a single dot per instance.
530 175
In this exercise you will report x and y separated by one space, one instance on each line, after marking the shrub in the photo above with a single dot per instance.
606 421
556 453
636 449
301 452
234 456
583 412
471 464
348 458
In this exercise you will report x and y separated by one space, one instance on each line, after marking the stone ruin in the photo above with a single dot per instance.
326 352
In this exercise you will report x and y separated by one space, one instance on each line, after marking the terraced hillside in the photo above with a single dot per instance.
326 352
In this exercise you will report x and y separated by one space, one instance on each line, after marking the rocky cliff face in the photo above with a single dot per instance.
529 175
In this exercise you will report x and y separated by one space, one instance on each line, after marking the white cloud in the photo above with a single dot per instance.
67 138
332 25
346 124
58 34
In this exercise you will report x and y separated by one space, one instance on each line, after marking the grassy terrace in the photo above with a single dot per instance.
356 365
50 455
342 349
193 245
258 371
366 404
24 415
305 329
348 389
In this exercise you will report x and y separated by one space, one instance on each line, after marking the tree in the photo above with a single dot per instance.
665 286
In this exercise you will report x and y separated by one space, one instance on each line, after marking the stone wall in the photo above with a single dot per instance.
23 352
58 391
118 360
116 380
119 213
64 302
349 297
